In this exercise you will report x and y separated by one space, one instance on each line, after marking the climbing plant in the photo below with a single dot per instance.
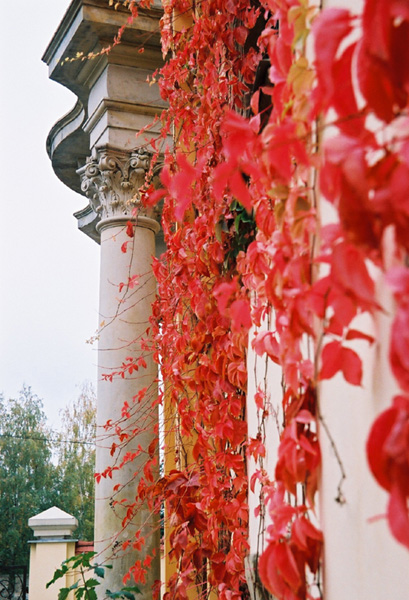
263 138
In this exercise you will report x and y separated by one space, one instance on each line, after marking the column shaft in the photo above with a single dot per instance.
125 316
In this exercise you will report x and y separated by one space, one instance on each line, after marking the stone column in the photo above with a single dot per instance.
111 179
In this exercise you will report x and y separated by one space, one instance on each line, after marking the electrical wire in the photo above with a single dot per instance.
44 439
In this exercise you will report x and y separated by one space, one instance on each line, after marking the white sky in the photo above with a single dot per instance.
49 270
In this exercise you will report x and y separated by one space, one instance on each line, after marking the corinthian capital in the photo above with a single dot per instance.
111 181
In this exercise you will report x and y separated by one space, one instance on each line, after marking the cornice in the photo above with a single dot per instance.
89 26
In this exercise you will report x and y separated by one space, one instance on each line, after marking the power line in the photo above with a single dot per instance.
45 439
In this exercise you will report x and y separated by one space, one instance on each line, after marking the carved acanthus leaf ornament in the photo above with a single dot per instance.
111 180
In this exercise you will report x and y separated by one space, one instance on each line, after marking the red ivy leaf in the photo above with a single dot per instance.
383 72
344 101
336 358
133 281
351 366
398 515
331 360
180 184
240 35
388 456
266 342
278 570
240 315
399 347
224 293
239 135
338 22
239 189
354 334
254 102
130 232
348 269
153 197
378 460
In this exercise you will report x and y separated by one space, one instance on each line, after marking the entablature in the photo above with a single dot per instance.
116 99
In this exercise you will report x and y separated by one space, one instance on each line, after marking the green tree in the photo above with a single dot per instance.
76 461
27 474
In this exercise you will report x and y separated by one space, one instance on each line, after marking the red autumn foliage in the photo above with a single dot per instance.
388 457
299 455
365 176
295 545
241 226
336 358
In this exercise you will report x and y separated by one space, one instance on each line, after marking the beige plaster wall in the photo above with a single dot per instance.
45 558
361 559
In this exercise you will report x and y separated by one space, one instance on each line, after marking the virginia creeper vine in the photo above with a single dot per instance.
248 104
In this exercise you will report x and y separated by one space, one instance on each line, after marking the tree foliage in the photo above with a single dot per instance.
30 478
27 475
85 586
75 469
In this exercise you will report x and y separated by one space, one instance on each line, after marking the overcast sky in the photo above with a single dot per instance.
49 270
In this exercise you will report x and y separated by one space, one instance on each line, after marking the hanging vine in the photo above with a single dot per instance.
245 247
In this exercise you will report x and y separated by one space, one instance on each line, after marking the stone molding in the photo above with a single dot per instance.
111 180
53 523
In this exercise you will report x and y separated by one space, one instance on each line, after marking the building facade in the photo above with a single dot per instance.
96 152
